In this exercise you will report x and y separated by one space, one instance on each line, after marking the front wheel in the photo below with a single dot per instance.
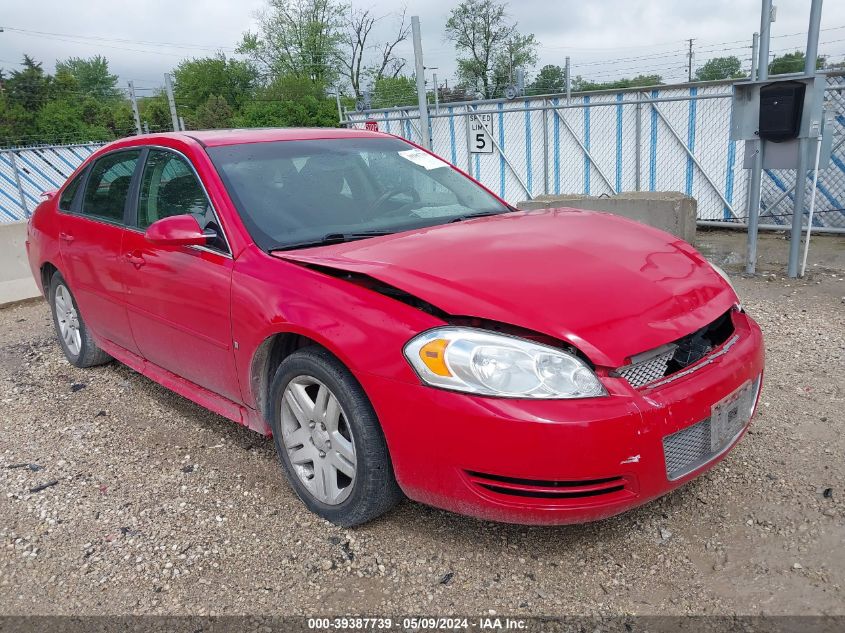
329 440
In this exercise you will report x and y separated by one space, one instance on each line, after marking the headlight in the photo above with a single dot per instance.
727 279
481 362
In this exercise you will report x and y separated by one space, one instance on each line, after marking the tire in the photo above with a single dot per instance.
79 348
308 442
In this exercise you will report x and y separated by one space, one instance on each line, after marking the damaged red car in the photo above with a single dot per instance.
396 327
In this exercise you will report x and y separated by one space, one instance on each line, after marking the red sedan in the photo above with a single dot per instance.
398 328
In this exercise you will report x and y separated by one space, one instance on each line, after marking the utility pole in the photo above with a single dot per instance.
134 101
804 144
339 108
420 71
689 60
568 80
168 86
755 186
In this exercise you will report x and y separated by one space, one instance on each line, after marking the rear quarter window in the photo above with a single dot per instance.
69 193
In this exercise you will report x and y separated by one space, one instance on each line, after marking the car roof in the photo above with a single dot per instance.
215 138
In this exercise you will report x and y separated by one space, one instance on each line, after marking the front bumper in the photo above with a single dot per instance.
554 461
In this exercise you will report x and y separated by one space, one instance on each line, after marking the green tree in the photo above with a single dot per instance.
550 79
28 87
791 63
196 80
394 91
579 84
92 76
488 44
310 112
155 112
215 113
720 68
297 37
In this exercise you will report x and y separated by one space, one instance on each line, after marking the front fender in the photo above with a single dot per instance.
365 330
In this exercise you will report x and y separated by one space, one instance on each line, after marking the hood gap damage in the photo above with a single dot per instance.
392 292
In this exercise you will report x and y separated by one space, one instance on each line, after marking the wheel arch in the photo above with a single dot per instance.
48 269
270 354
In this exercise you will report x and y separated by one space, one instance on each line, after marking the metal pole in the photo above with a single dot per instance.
14 164
168 86
638 136
689 61
813 38
134 101
755 51
468 124
568 80
761 73
765 40
339 108
436 96
182 124
812 204
803 145
420 71
545 150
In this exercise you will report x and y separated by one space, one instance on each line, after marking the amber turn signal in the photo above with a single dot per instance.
433 355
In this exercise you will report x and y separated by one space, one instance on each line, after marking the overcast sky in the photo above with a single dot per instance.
606 39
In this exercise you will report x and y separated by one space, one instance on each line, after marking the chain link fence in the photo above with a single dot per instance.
672 138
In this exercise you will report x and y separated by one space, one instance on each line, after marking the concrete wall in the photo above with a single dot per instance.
670 211
16 282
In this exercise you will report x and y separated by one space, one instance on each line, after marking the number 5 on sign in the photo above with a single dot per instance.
480 142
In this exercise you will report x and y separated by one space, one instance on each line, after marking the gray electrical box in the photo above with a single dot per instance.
745 106
746 118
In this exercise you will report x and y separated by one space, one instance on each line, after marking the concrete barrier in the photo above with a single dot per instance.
667 210
16 282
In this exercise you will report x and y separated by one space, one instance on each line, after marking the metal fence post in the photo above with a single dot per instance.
467 123
545 148
14 164
638 135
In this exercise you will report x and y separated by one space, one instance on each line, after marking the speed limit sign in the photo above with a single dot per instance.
480 132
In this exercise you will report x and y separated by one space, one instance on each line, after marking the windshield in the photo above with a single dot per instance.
305 193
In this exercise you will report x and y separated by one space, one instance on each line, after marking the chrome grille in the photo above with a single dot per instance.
687 449
647 371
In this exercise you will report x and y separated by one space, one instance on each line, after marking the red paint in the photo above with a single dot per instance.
177 230
610 287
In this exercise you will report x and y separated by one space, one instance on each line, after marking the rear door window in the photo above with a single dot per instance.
108 186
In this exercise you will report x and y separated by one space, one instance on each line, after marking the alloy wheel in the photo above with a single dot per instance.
318 440
68 320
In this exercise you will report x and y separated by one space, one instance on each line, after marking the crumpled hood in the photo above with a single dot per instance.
610 286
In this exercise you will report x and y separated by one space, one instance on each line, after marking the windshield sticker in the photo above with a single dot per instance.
423 159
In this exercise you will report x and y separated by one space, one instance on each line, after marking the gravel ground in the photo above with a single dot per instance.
155 505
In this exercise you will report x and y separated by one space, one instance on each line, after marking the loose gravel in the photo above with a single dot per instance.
117 497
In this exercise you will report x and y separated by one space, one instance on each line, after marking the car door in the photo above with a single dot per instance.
178 296
91 231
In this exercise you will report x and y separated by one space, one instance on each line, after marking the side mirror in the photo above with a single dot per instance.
177 230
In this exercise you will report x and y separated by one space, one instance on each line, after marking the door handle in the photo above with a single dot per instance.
135 258
66 237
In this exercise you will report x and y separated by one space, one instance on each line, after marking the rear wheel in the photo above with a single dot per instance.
329 440
74 337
